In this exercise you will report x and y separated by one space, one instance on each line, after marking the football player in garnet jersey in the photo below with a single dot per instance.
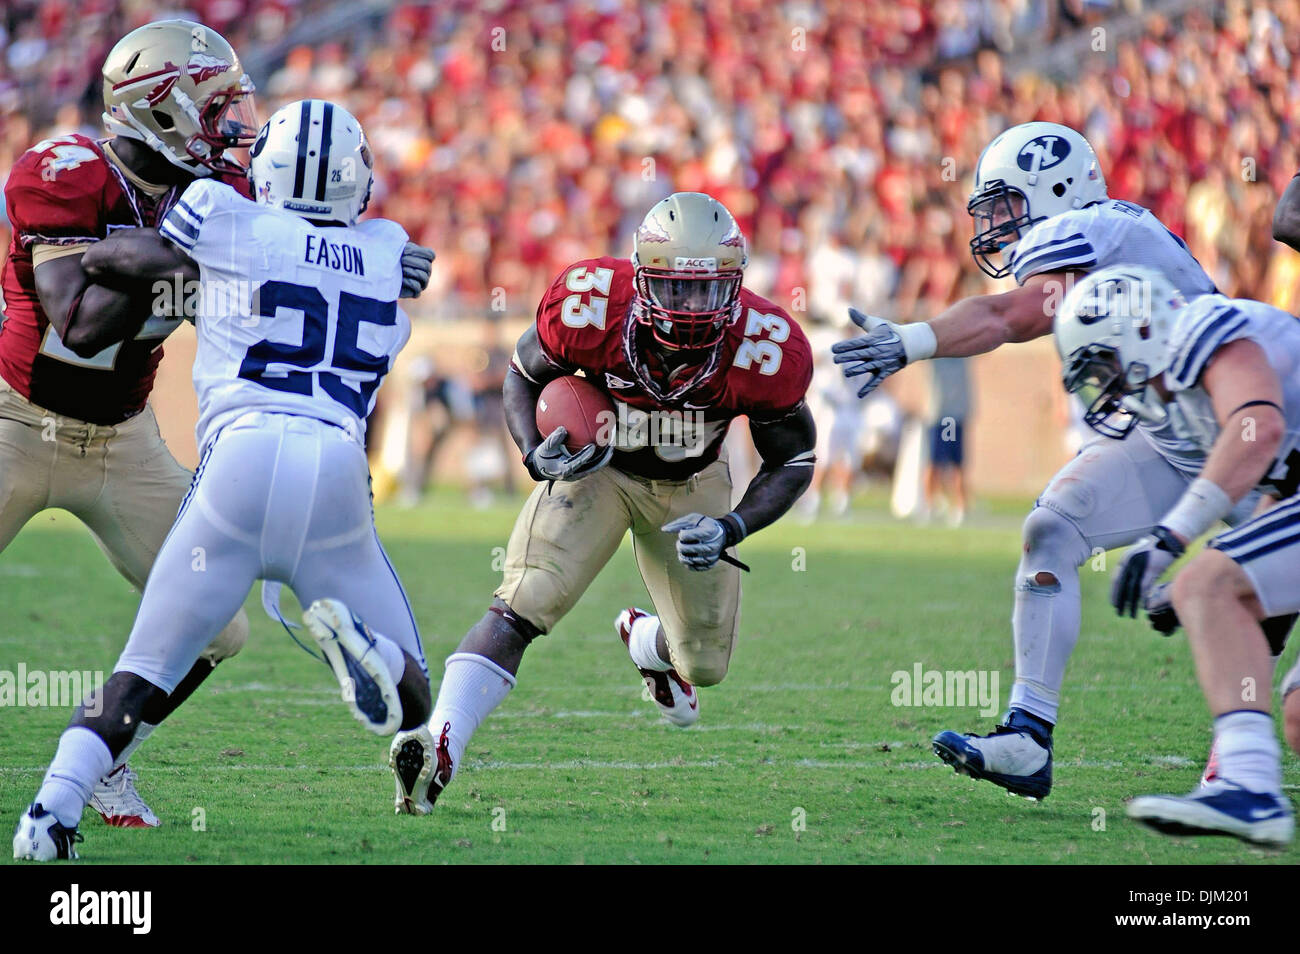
77 358
681 349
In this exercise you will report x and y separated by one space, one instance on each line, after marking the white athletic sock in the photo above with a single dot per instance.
391 654
141 733
472 686
81 760
642 644
1248 750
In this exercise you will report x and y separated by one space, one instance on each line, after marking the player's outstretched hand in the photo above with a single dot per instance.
880 352
550 460
700 540
1143 565
417 265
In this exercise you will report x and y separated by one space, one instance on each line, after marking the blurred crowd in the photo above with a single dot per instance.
516 136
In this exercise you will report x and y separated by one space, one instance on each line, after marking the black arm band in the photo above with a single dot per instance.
1260 403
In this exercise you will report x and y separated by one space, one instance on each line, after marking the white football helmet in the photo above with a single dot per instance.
1029 173
311 158
1112 332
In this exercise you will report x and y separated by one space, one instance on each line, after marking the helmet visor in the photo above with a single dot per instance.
1000 213
1096 377
230 120
703 295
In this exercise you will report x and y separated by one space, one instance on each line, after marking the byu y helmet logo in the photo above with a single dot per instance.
1042 153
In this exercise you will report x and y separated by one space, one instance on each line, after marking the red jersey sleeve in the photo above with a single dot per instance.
582 310
55 193
773 365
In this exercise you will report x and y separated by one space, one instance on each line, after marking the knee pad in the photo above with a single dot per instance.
701 673
229 641
1052 544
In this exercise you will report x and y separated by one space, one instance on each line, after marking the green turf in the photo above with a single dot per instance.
576 768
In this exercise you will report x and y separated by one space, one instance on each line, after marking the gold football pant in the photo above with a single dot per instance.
568 530
120 481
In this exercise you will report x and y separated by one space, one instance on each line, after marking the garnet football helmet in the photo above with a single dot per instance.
178 87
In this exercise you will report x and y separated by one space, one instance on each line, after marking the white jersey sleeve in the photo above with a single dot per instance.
1108 233
1205 326
1064 242
204 199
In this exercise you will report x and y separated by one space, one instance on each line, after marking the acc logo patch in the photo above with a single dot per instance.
1041 154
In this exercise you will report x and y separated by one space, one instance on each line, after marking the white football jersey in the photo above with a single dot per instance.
293 317
1115 232
1202 328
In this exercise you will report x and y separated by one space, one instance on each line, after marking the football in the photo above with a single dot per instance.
583 409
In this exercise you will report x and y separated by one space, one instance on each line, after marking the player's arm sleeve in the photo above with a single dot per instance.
1062 244
529 371
785 437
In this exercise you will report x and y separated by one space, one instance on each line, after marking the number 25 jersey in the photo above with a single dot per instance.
291 317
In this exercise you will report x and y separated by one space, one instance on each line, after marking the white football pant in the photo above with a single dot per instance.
276 497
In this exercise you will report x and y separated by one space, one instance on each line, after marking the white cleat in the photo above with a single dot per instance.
118 802
40 837
676 698
421 767
349 648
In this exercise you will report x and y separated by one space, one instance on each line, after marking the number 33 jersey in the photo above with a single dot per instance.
291 317
761 370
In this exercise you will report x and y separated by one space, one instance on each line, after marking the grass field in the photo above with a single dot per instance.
576 768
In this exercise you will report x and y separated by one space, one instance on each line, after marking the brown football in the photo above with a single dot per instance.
581 408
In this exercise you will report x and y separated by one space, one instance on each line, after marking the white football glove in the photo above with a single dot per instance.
883 350
417 265
701 539
550 460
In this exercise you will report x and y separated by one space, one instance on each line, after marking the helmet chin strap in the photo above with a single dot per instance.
140 134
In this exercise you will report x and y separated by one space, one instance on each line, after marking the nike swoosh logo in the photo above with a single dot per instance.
1259 814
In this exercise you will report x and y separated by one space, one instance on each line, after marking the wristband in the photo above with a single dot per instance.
919 342
1200 507
735 528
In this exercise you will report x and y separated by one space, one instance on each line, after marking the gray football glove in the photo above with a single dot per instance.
701 540
417 264
880 352
550 460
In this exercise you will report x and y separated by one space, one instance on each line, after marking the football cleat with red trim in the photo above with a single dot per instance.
421 767
676 698
119 804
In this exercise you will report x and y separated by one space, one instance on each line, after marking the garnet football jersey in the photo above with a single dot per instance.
762 370
66 191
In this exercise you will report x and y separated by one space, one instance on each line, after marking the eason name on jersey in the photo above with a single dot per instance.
74 906
336 255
